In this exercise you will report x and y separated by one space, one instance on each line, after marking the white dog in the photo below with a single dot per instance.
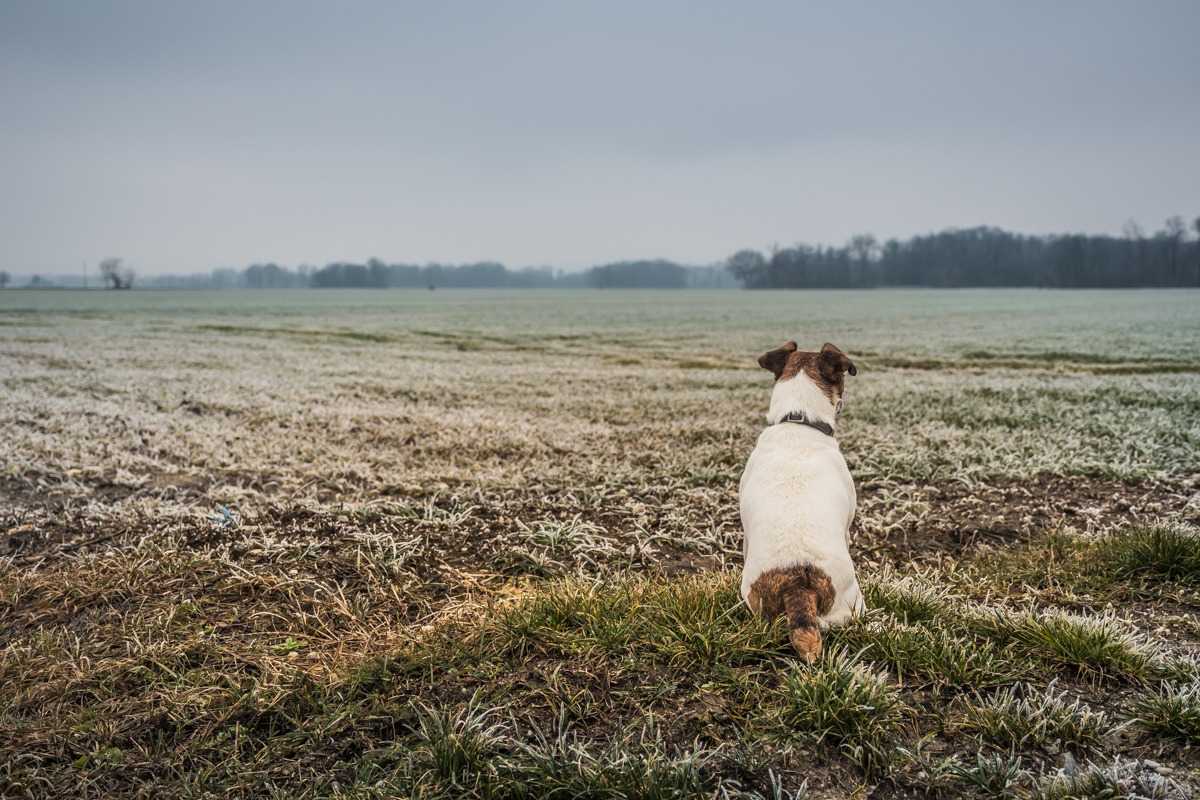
797 501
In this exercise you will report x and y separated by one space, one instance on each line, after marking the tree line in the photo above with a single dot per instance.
975 257
982 257
376 274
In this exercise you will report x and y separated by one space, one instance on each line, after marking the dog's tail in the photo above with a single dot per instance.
803 593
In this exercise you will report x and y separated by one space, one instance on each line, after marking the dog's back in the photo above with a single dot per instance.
797 502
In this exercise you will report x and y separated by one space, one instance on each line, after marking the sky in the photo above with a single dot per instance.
184 137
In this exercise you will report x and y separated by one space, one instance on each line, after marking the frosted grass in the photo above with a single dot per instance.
350 392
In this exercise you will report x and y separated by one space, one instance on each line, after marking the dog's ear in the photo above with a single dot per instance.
777 359
833 363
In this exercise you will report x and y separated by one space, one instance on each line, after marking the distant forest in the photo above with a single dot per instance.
981 257
976 257
375 274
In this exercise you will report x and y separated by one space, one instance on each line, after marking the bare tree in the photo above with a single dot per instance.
749 267
1132 230
116 275
4 278
110 271
864 246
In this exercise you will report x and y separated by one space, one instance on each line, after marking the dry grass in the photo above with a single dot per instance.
485 545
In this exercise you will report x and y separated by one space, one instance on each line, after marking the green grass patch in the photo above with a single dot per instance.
842 699
693 622
1173 712
1128 562
1019 717
1158 553
910 598
922 630
474 753
457 744
934 654
989 775
1097 645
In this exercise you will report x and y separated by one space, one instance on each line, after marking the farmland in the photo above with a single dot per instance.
448 544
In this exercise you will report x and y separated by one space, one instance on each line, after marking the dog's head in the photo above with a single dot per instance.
826 369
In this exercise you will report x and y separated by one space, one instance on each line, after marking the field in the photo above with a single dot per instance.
486 544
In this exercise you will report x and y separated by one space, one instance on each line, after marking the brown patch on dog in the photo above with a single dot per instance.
803 593
827 369
776 360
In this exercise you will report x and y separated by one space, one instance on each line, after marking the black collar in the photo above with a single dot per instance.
803 419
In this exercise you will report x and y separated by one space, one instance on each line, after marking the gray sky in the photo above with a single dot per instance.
187 136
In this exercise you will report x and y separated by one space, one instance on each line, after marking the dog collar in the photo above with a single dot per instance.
803 419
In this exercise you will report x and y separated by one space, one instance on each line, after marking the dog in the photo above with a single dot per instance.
798 500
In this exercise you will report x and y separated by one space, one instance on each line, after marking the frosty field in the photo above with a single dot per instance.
448 544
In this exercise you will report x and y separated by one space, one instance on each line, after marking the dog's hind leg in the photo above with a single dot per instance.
804 593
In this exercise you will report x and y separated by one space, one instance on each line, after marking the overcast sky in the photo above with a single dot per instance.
183 136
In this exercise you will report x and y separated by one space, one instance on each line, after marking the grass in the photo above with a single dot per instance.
991 776
1173 712
1147 558
487 545
1157 553
1019 717
621 684
934 654
456 745
1090 645
689 624
458 754
911 598
840 699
